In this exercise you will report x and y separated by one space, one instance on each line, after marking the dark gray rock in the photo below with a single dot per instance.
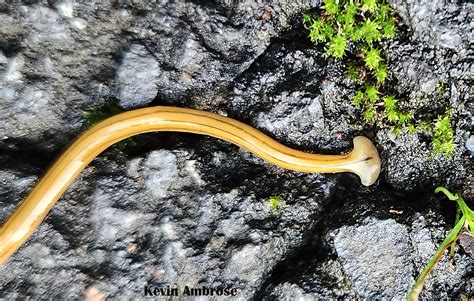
470 144
159 218
426 237
70 51
287 119
453 32
294 101
326 280
372 246
54 68
13 184
175 209
375 255
432 65
137 77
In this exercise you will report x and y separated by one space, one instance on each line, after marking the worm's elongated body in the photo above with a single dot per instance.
362 160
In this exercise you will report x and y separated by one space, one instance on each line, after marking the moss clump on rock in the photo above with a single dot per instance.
355 28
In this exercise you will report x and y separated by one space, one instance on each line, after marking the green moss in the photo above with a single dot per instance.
108 109
331 6
372 94
443 135
404 118
358 99
363 23
441 87
369 114
390 103
370 5
424 127
336 46
275 202
97 114
359 25
388 29
371 33
381 73
372 58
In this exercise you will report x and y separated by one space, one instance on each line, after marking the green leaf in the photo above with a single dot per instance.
392 115
307 18
403 118
456 220
384 11
447 193
319 31
328 31
441 87
452 236
349 13
465 210
356 34
467 218
381 73
372 58
351 8
275 202
411 129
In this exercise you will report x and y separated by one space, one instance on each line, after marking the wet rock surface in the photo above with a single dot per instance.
385 240
375 256
179 209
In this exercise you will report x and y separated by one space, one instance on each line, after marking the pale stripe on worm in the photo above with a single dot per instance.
363 160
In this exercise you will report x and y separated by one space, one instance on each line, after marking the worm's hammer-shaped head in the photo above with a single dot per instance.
366 160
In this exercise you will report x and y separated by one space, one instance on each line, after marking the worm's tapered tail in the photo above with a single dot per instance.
363 160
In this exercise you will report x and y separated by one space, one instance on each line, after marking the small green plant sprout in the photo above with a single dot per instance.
97 114
464 220
381 73
411 129
336 46
356 74
443 135
424 127
372 58
110 108
358 99
369 113
275 202
370 5
441 87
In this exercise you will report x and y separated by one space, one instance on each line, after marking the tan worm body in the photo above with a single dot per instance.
363 160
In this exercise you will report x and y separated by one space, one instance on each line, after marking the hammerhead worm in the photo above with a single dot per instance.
363 160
